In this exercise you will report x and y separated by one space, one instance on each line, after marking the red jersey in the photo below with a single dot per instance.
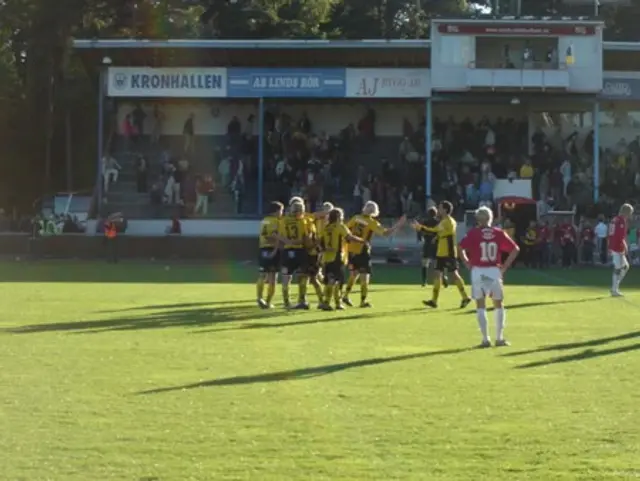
567 234
483 246
546 234
587 234
618 235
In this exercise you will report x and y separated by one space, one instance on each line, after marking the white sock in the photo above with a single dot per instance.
483 323
501 321
615 283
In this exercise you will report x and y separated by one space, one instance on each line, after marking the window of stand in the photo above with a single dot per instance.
517 53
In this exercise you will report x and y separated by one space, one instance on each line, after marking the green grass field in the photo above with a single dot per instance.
134 372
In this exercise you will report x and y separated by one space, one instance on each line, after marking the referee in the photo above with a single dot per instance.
429 244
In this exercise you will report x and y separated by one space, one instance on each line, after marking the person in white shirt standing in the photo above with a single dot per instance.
602 231
110 171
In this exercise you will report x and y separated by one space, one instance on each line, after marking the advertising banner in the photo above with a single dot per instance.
303 83
167 82
614 88
388 83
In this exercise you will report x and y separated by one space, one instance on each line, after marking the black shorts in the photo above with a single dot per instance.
294 260
333 272
313 264
360 262
448 264
267 262
428 251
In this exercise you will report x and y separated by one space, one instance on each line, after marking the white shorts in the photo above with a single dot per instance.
486 282
619 260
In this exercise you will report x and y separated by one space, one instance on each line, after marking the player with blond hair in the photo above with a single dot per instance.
617 244
364 226
481 250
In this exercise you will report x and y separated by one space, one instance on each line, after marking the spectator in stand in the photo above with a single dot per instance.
588 236
224 171
158 124
141 174
110 170
601 232
188 132
565 172
546 244
568 244
128 132
526 171
138 116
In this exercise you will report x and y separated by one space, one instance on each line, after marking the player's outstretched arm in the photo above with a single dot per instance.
423 228
393 229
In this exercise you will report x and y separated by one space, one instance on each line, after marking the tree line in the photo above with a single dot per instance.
46 94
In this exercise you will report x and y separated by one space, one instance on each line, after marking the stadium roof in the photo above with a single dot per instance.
284 44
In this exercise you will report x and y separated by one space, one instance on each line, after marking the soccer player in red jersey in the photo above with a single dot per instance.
617 243
481 251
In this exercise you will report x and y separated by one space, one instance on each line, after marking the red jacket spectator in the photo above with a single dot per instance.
569 234
587 234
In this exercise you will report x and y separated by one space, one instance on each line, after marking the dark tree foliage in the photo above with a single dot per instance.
42 83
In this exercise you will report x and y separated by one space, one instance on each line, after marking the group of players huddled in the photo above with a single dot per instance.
319 246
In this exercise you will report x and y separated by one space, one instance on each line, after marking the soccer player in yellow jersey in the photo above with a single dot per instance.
295 234
364 225
317 222
446 253
269 260
333 241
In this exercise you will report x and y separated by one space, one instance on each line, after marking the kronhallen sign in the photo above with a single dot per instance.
389 83
167 82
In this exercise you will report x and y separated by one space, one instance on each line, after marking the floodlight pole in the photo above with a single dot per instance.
99 181
596 151
260 155
427 149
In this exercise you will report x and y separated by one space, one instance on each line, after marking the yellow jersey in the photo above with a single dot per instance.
446 231
268 228
363 226
334 242
295 229
531 236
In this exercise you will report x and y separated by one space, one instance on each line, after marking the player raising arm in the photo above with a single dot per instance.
364 225
617 243
481 250
335 236
446 254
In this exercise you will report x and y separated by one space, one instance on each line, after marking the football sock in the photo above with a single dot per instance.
615 281
285 293
350 283
482 323
318 288
336 295
328 291
271 290
423 273
436 288
260 287
460 285
364 290
501 320
302 288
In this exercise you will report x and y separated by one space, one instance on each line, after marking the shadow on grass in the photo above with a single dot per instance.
587 353
305 373
328 318
201 317
581 356
235 272
577 345
525 305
